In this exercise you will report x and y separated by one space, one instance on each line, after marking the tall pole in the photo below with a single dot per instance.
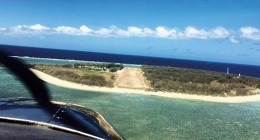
227 70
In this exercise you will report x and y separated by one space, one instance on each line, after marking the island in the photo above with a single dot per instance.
152 80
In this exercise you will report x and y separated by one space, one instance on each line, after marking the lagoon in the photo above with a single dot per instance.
150 117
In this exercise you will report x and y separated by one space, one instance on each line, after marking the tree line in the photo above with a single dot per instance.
80 76
195 81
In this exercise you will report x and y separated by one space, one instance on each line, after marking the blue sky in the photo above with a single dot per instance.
211 30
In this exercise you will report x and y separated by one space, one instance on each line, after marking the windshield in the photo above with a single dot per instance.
153 69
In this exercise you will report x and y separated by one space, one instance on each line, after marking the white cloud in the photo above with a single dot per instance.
38 27
163 32
132 30
250 33
218 32
67 30
233 40
2 29
85 30
28 29
103 31
148 32
82 30
191 32
16 29
215 33
120 32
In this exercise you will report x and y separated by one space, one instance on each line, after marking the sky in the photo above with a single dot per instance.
208 30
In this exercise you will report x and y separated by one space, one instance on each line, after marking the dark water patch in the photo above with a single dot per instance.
249 70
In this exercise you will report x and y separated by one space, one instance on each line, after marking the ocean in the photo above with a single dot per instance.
249 70
141 117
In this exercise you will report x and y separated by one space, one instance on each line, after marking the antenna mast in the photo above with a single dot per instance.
227 70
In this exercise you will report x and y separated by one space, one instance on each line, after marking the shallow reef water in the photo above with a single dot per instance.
150 117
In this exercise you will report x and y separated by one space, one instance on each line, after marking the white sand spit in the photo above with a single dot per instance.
55 81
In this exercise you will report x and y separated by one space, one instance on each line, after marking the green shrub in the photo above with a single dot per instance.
197 81
241 92
93 79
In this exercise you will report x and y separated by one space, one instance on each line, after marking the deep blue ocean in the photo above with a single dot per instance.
249 70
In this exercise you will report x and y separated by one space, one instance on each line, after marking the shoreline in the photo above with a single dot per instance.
62 83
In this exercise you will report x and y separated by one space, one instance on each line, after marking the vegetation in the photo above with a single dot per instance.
168 79
105 66
81 76
193 81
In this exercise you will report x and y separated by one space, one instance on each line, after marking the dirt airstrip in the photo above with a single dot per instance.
130 78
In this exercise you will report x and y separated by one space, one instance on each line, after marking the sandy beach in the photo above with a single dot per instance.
55 81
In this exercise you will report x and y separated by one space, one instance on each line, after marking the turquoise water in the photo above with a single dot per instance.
150 117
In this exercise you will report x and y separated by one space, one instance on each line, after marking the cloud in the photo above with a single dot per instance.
189 32
233 40
28 29
103 32
2 29
85 30
67 30
132 30
163 32
218 32
148 31
250 33
215 33
120 32
82 30
37 27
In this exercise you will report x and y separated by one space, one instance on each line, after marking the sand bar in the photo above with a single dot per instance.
55 81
